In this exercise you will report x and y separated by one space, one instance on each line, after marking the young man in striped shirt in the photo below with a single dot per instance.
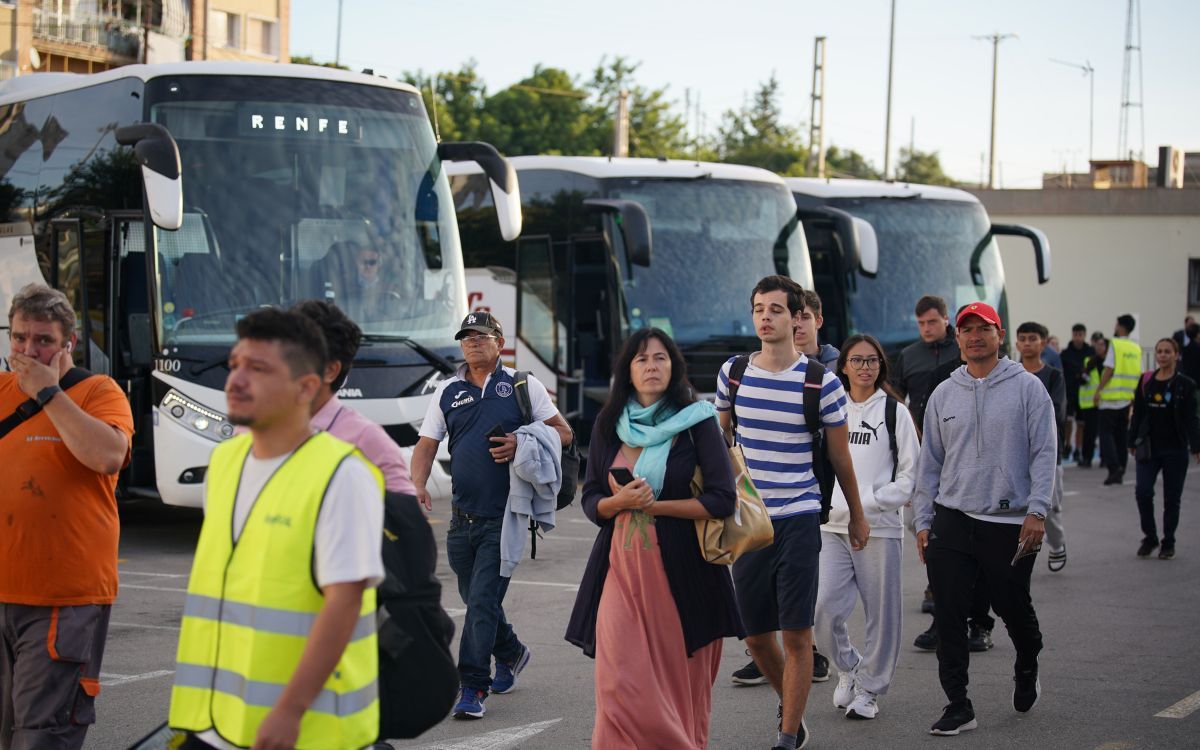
776 587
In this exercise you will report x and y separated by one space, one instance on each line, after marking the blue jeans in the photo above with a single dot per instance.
473 547
1173 465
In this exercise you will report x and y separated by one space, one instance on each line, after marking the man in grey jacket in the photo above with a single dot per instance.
983 490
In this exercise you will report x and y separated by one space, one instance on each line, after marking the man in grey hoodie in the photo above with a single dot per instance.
983 490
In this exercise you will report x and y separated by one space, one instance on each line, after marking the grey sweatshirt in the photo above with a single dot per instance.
990 446
534 478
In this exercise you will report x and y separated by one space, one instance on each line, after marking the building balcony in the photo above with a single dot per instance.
101 39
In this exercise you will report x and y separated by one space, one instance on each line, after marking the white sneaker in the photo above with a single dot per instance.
864 706
843 694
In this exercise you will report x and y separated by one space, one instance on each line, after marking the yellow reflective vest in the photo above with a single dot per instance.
1087 391
252 602
1127 368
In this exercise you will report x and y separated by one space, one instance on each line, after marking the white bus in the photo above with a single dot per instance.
876 247
587 268
277 182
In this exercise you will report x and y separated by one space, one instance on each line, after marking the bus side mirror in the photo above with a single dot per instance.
1041 245
859 244
158 155
506 191
634 223
868 248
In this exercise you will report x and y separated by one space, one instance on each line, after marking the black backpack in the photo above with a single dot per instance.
889 418
814 373
569 460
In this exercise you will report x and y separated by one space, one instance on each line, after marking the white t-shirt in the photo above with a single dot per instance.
349 534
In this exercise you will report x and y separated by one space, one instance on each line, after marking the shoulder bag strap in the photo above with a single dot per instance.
737 371
29 407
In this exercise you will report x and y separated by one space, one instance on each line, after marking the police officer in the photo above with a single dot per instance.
476 408
278 647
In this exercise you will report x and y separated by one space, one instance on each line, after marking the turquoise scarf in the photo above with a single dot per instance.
652 429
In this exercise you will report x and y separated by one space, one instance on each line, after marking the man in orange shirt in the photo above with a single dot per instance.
64 437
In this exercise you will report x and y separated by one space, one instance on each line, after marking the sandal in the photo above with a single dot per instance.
1057 560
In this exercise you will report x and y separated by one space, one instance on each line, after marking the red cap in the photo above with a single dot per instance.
980 309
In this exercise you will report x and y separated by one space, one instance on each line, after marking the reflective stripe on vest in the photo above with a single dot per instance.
1127 369
252 603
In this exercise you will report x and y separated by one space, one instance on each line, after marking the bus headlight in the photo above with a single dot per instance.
196 418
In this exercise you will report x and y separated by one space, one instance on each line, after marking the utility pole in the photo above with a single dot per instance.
887 129
337 55
621 125
816 128
1090 73
995 39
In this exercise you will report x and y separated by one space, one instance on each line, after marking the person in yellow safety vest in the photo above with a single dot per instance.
277 647
1089 415
1122 368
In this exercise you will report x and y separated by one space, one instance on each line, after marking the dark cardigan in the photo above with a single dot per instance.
703 592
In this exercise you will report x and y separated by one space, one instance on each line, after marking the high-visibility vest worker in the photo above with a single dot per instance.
1127 368
1087 391
251 604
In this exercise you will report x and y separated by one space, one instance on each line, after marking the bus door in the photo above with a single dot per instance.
832 279
78 263
591 301
541 335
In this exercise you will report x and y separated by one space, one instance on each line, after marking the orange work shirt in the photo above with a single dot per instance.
58 519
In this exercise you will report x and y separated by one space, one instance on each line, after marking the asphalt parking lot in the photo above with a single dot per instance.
1121 668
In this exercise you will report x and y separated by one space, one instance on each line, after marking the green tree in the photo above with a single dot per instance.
308 60
849 163
654 129
545 113
923 167
459 103
757 135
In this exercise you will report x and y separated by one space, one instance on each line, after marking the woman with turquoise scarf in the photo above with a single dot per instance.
650 610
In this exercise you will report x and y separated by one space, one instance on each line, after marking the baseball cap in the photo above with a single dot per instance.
481 321
981 309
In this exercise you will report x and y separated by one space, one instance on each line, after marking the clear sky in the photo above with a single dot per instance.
722 49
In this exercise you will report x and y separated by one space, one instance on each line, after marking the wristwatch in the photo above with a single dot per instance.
47 393
1038 516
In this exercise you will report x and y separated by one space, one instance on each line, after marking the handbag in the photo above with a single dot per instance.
724 540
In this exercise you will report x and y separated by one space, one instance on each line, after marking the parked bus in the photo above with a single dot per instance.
876 247
588 268
260 185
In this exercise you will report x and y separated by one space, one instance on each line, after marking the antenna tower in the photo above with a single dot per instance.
1133 46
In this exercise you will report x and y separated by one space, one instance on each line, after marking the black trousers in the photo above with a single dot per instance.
1091 423
1174 466
961 550
1114 436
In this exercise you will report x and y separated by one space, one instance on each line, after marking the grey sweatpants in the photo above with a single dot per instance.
1055 534
872 574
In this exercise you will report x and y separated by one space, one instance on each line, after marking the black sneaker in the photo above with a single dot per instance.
802 735
1114 477
820 667
1028 688
749 674
957 717
928 641
1166 553
1147 546
979 639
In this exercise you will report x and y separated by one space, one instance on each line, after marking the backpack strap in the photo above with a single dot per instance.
1146 376
737 371
889 418
814 373
521 388
30 407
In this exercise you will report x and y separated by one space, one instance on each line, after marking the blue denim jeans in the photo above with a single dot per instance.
473 548
1174 466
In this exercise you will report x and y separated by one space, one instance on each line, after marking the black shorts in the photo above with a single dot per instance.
776 587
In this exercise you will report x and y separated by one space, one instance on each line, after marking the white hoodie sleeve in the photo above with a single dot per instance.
897 493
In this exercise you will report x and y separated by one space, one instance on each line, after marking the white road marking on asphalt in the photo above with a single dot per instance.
572 586
552 537
456 612
156 575
140 625
1182 709
109 679
1068 493
578 520
497 740
150 588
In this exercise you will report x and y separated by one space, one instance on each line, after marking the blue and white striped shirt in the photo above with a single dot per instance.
773 435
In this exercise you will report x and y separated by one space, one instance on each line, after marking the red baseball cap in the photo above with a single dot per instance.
980 309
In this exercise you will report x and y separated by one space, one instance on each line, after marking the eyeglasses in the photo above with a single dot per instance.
869 363
368 262
478 338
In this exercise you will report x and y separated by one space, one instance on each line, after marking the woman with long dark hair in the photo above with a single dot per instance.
650 610
885 484
1164 429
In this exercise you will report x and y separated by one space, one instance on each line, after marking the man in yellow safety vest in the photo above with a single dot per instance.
278 648
1122 368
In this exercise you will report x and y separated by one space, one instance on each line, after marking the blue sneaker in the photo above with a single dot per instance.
470 704
506 674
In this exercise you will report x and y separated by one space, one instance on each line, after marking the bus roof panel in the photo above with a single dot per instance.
601 167
841 188
37 85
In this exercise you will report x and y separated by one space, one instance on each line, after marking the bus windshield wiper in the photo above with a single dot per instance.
203 367
441 363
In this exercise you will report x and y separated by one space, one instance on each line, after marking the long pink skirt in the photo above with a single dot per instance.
649 694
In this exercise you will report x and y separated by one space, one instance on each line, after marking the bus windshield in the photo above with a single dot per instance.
925 247
710 234
297 189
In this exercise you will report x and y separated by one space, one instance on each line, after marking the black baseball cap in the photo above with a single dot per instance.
483 322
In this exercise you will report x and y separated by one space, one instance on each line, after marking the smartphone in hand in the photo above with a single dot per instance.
622 475
497 432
